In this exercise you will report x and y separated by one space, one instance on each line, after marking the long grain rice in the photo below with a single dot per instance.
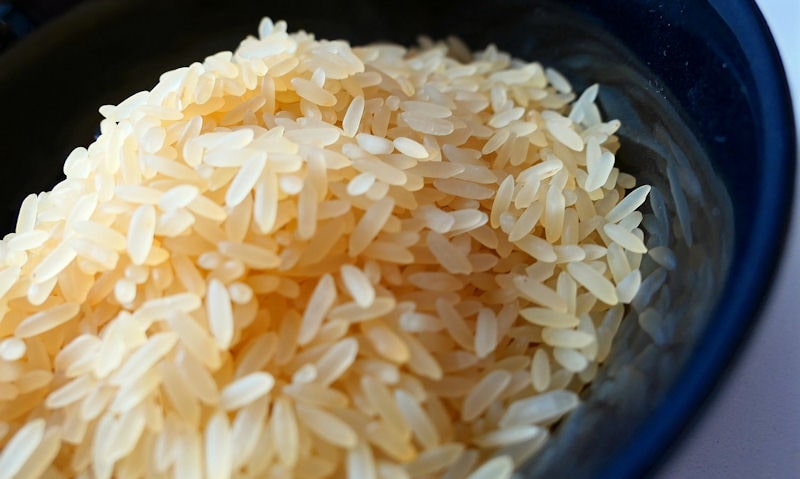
21 446
327 426
245 390
218 451
482 395
624 238
500 467
418 419
302 259
434 459
509 436
361 462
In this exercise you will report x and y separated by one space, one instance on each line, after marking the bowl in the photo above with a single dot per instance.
706 117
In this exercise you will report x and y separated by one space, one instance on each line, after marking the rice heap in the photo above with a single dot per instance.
305 259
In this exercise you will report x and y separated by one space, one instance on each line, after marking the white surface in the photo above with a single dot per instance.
752 429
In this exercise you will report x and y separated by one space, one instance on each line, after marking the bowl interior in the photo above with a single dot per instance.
674 75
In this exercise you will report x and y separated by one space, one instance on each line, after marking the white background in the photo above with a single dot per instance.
752 428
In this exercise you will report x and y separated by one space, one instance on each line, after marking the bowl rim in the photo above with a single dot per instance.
735 315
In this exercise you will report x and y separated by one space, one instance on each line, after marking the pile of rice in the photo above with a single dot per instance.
304 259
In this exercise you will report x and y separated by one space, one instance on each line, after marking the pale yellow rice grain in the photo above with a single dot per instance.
21 446
245 390
501 467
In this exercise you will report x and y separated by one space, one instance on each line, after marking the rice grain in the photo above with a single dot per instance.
21 446
482 395
500 467
245 390
327 427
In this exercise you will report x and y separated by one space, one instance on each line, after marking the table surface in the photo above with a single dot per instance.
752 427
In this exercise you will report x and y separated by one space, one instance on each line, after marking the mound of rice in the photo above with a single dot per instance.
304 259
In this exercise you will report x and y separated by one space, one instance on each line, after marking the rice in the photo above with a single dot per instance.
361 462
449 257
500 467
508 436
46 320
140 233
419 421
485 332
539 409
327 427
285 434
434 459
379 399
302 259
411 148
352 117
663 256
624 238
245 390
484 393
218 452
21 446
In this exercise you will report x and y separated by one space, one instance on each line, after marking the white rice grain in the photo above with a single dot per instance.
409 147
540 294
632 201
12 349
327 427
482 395
140 233
435 459
283 424
594 282
42 457
380 399
20 447
354 313
46 320
318 306
370 225
218 451
539 409
54 263
500 467
336 361
145 358
245 390
385 341
508 436
361 462
245 179
250 255
352 117
566 338
219 313
485 333
629 286
540 370
448 256
624 238
419 421
663 256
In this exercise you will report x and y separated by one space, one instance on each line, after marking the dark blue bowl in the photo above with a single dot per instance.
706 117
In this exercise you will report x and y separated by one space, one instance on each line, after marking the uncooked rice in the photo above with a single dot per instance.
306 259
